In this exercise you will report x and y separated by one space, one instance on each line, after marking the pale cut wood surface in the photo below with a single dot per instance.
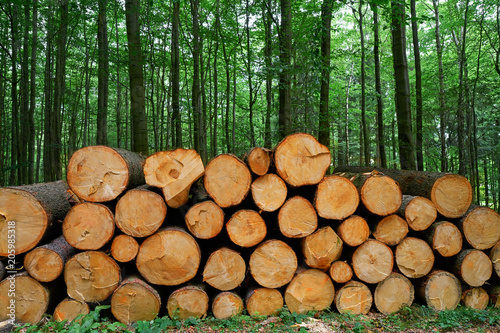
189 301
340 272
440 290
354 297
297 218
246 228
419 212
445 238
321 248
481 227
225 269
495 258
269 192
124 248
475 298
69 309
205 220
264 301
391 230
258 160
226 305
473 267
414 257
336 198
354 230
372 261
394 294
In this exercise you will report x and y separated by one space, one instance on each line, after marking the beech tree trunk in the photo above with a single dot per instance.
297 218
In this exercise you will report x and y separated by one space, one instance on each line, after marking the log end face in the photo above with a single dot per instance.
393 294
69 309
381 195
246 228
476 268
205 220
481 228
420 213
132 302
225 269
297 218
447 240
475 298
226 305
442 291
187 302
372 261
452 195
336 198
264 302
43 264
391 230
414 257
310 290
269 192
355 298
322 248
259 161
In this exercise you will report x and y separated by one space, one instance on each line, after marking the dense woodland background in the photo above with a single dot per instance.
224 76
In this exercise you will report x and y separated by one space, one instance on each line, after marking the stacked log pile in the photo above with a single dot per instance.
166 235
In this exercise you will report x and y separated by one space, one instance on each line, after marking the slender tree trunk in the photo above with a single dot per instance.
249 74
216 82
86 122
418 88
3 121
324 118
195 93
486 183
31 114
176 116
103 74
228 89
15 142
203 107
118 84
24 134
233 134
48 95
285 43
266 15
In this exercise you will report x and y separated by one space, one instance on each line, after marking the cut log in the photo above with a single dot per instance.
88 226
69 309
135 300
263 302
297 218
174 171
372 261
46 263
23 299
419 212
340 272
227 180
321 248
414 257
226 305
481 227
189 301
140 212
225 269
258 160
440 290
391 230
336 198
445 238
494 294
495 258
475 298
393 294
180 199
205 220
124 248
91 276
246 228
273 264
28 213
269 192
301 160
100 173
354 298
473 267
169 257
310 290
354 231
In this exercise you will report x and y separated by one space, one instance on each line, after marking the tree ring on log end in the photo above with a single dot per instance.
452 195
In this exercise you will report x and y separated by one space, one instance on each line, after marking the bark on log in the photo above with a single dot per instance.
445 238
440 290
30 213
226 305
140 212
205 220
258 160
419 212
321 248
89 226
475 298
354 298
46 263
189 301
414 257
69 309
246 228
473 267
495 258
100 173
263 302
372 261
301 160
135 300
273 264
481 227
310 290
227 180
390 230
336 198
169 257
225 269
2 271
91 276
354 230
340 272
124 248
393 294
269 192
297 218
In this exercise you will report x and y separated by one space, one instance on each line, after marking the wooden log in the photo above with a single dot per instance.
269 192
445 238
100 173
273 264
263 302
227 180
321 248
393 294
414 257
481 227
336 198
140 212
69 309
23 299
46 263
173 171
135 300
354 230
169 257
495 258
310 290
258 160
91 276
419 212
186 302
473 267
205 220
246 228
475 298
2 271
494 295
180 199
354 297
28 213
89 226
227 304
124 248
225 269
372 261
340 272
390 230
297 218
440 290
301 160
